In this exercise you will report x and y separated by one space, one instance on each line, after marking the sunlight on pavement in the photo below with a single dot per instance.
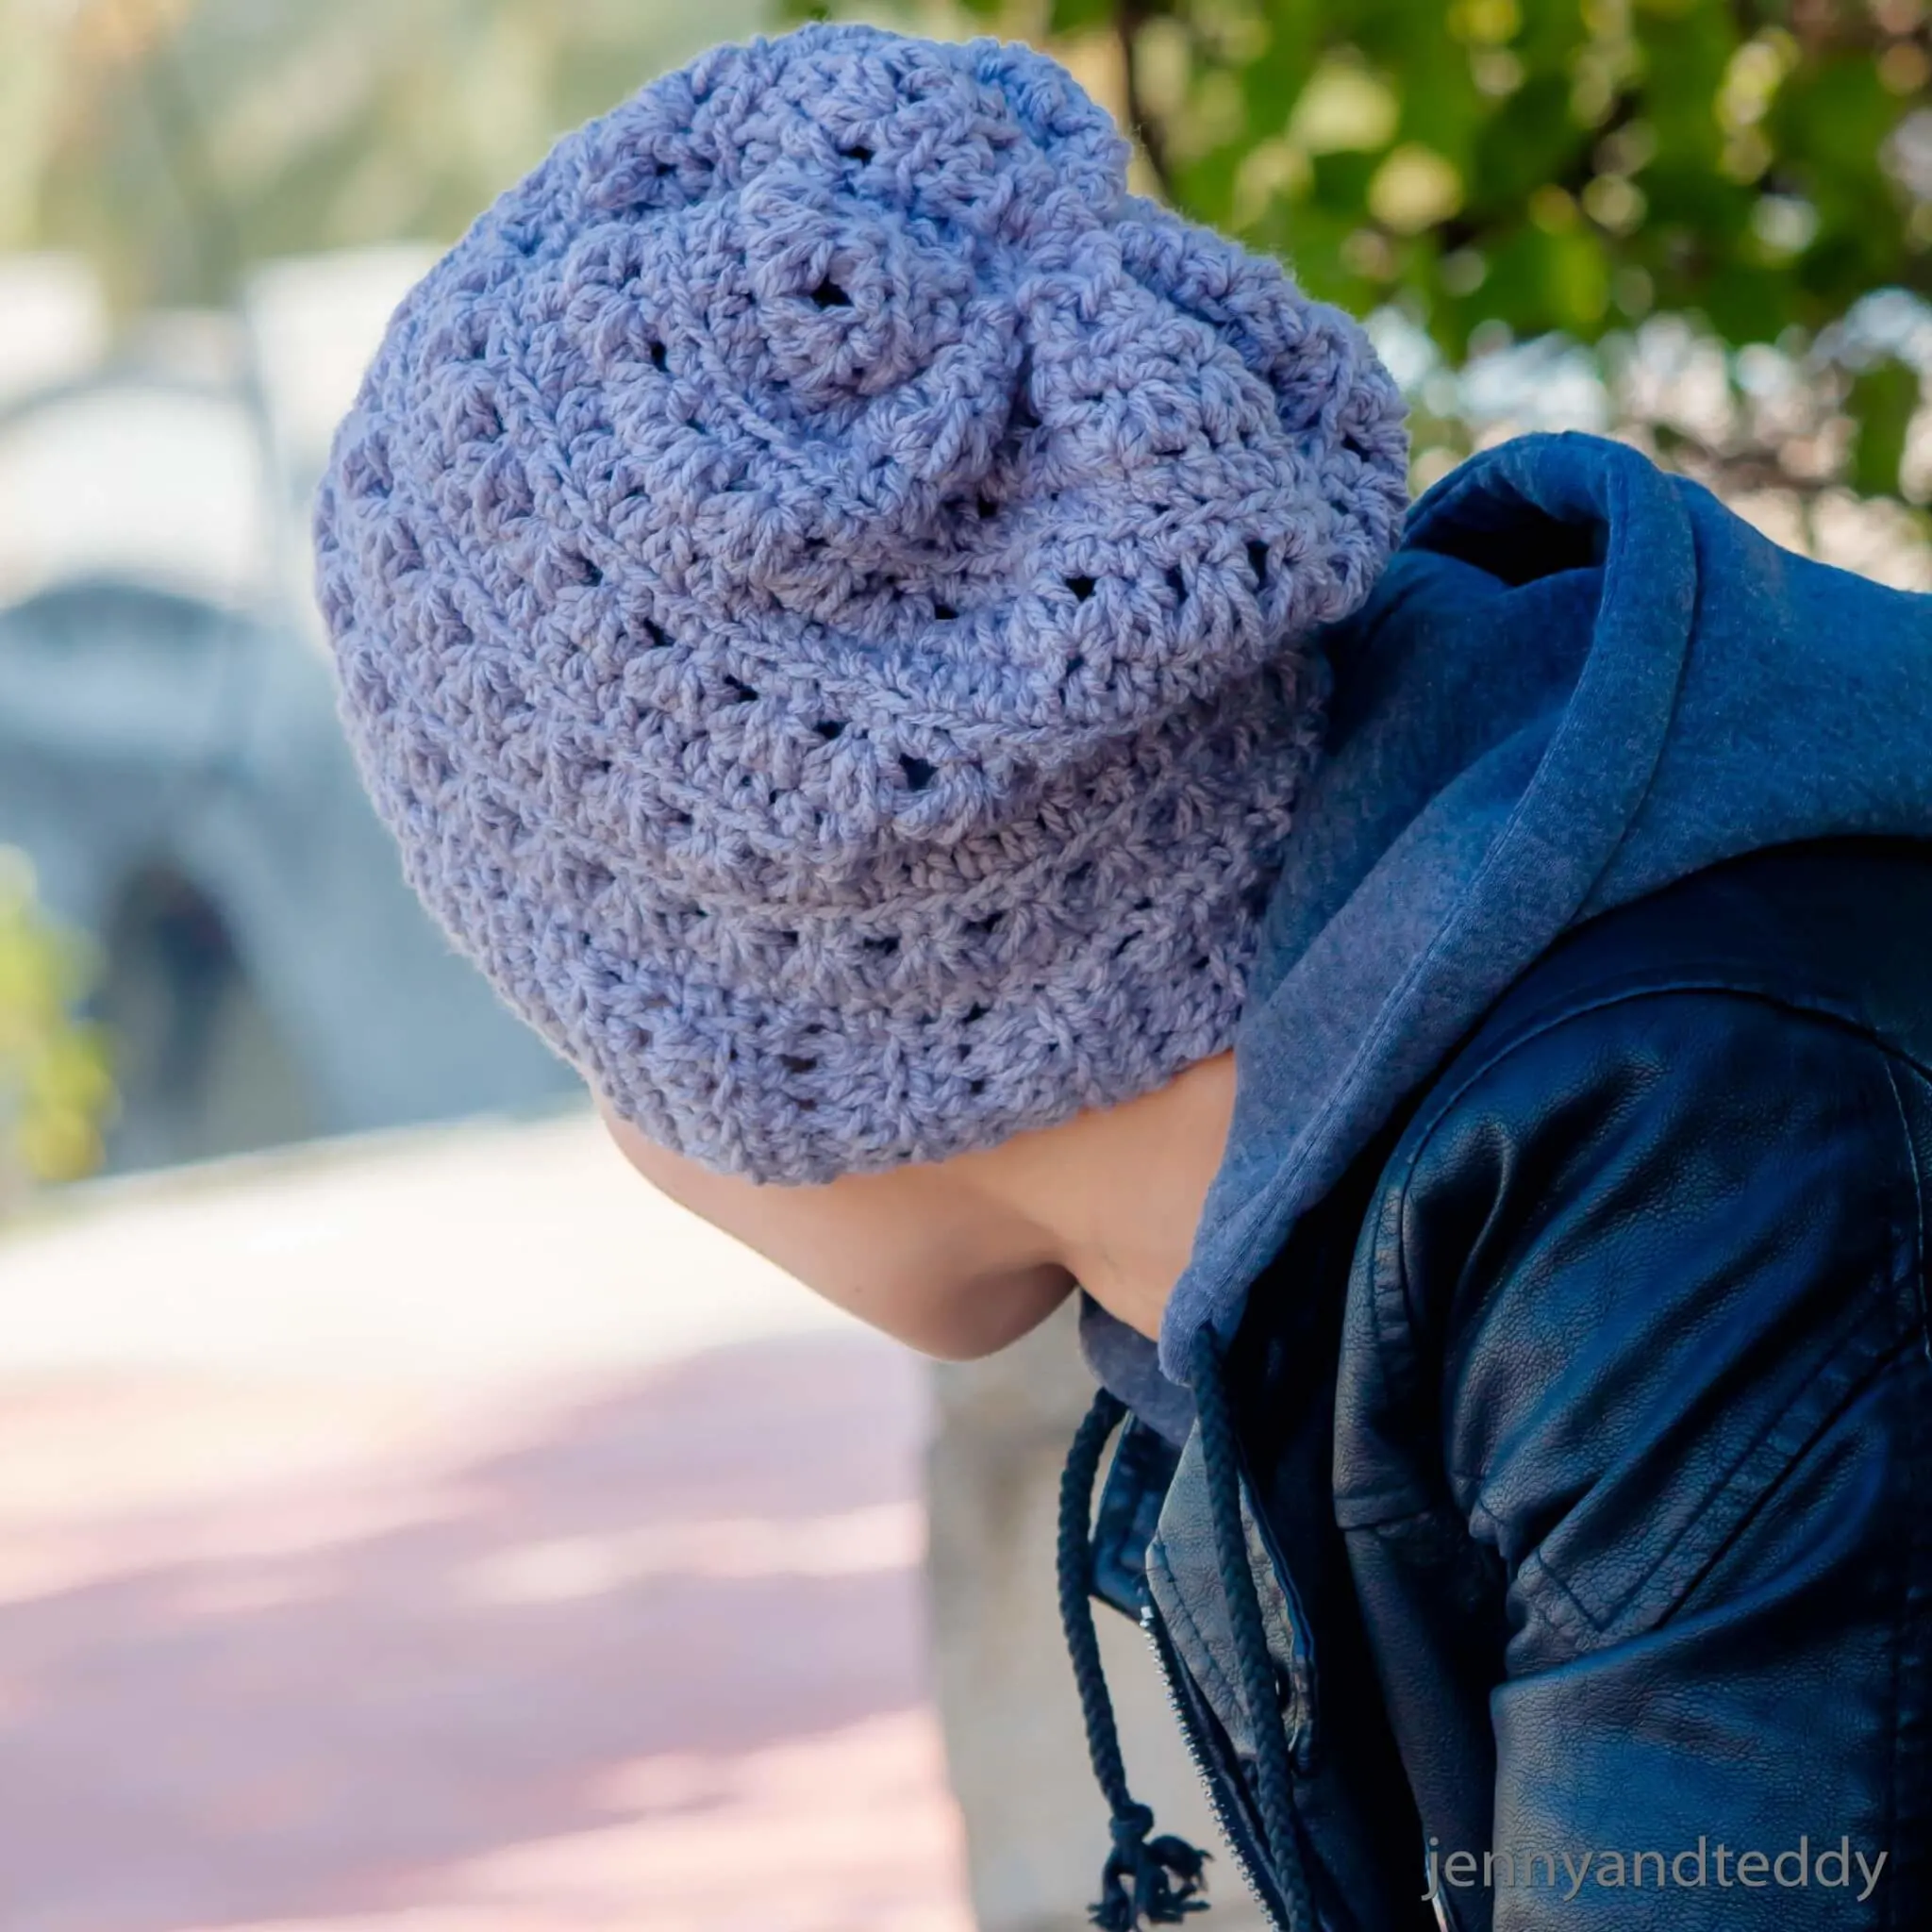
830 1834
890 1536
544 1614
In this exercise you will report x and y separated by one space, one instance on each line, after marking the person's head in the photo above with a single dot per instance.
821 579
962 1256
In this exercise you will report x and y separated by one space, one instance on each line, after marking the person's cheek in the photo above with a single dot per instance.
986 1315
929 1264
926 1279
907 1254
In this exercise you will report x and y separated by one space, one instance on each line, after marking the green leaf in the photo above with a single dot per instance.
54 1081
1881 406
1528 139
1078 16
1834 119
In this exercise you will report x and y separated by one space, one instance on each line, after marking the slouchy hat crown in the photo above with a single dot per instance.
819 577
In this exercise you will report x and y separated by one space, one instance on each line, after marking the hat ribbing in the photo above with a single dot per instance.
817 575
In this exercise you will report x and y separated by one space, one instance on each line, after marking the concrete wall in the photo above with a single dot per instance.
177 776
1036 1823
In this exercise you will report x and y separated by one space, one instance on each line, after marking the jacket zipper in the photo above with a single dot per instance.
1230 1829
1444 1920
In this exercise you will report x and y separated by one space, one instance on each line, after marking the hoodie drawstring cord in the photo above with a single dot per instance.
1150 1879
1222 1468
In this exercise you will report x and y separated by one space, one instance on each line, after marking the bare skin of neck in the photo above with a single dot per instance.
961 1256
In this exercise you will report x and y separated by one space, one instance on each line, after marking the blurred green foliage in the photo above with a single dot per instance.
1497 170
1545 163
1532 166
55 1088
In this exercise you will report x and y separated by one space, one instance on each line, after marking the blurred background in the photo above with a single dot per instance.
406 1520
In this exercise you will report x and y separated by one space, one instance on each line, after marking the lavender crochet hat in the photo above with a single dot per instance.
817 575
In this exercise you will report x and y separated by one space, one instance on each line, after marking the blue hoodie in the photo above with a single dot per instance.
1579 679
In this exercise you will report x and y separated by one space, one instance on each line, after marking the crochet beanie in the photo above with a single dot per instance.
819 577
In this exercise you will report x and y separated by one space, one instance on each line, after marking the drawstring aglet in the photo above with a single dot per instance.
1152 1881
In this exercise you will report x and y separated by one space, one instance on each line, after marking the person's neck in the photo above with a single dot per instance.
1117 1194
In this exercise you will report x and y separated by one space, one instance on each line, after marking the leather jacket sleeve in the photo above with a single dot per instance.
1635 1472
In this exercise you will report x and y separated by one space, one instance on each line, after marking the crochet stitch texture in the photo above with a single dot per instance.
819 577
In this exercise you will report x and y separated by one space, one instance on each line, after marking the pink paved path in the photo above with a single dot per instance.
565 1655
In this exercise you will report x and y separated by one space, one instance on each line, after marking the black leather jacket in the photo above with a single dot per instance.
1582 1449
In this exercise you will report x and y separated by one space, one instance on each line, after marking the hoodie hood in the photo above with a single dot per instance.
1579 679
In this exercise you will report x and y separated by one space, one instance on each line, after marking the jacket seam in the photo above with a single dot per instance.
1822 1016
1430 1124
1760 1468
1427 1125
1216 1688
1907 1793
1911 1558
1399 1504
1905 1124
1900 1627
1778 1430
1545 1593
